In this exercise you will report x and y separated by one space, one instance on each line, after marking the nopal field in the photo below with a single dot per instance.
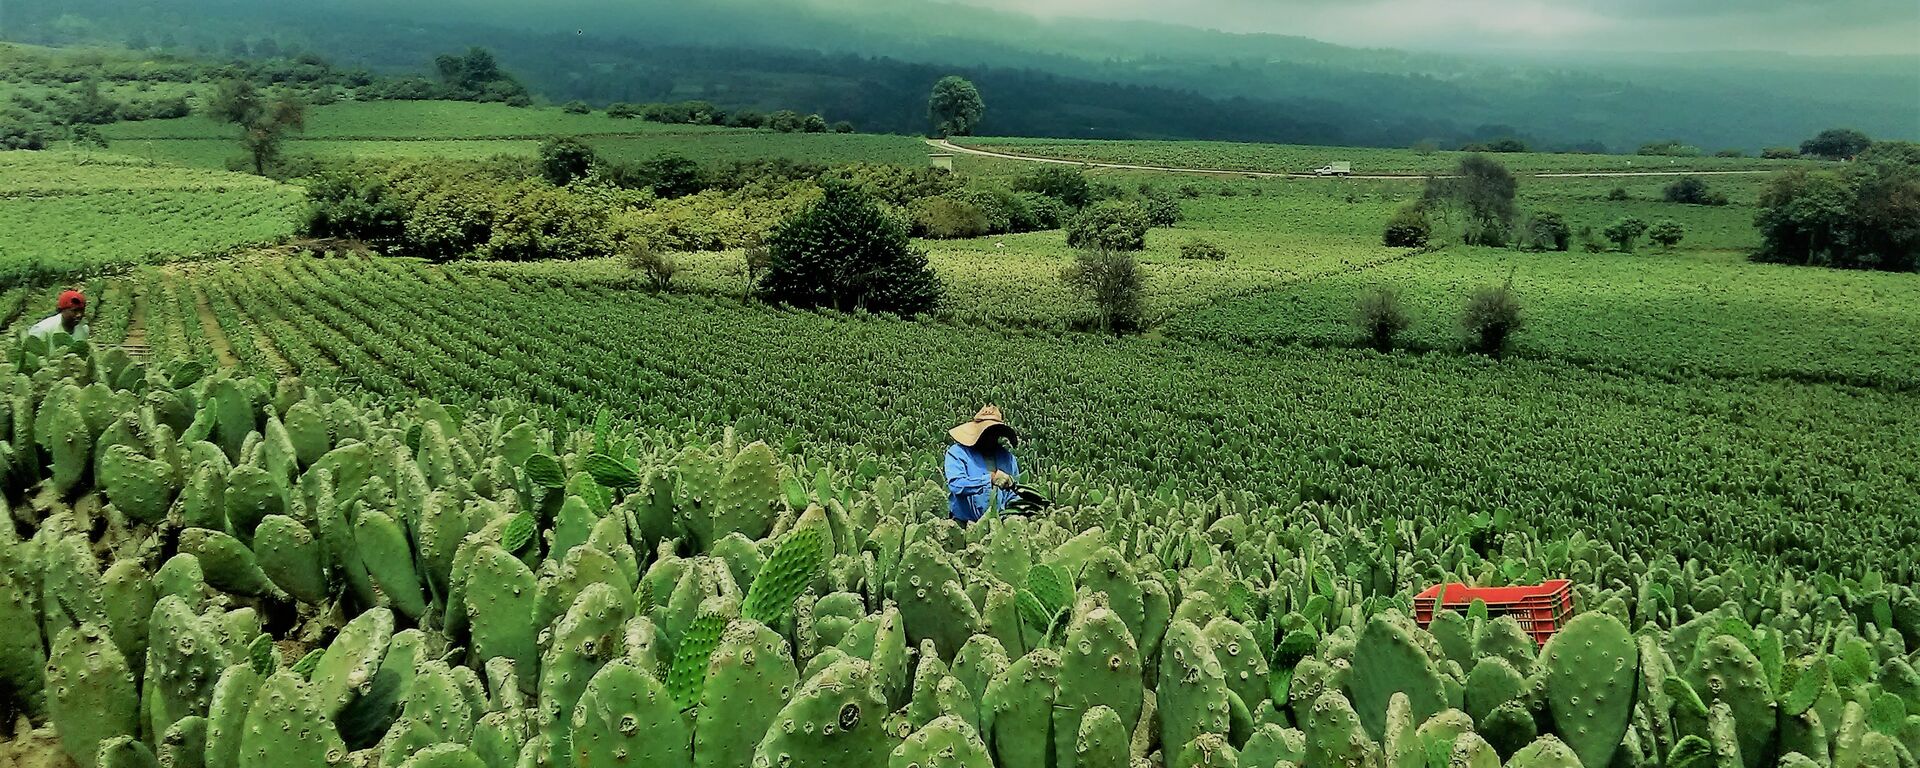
475 388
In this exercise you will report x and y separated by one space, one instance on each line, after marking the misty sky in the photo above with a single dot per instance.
1801 26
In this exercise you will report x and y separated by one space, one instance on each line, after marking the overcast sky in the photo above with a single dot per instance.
1801 26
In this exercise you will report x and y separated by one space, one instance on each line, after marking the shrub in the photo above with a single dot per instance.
1162 210
1866 216
1482 192
1547 231
623 111
532 220
1111 281
1779 153
1491 318
1046 212
1068 185
1731 153
1591 241
1625 232
564 159
1409 228
1618 193
1668 233
1381 316
352 206
842 126
1203 250
843 252
1669 148
1836 144
1109 226
656 266
578 108
944 218
1693 190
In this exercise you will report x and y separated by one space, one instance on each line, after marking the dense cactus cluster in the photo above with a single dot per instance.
202 570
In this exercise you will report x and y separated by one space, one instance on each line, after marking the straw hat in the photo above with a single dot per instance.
968 434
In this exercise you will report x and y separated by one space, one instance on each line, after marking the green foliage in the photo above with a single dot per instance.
1667 232
1861 217
562 160
1668 148
1836 144
1381 316
577 107
955 107
943 218
1626 232
1409 228
1478 199
844 253
1109 226
1111 281
1547 231
1065 184
1202 250
1693 190
1491 318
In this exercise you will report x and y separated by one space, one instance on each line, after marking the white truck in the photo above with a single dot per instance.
1334 169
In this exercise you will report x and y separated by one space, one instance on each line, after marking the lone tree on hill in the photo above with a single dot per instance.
263 125
844 253
1836 144
956 107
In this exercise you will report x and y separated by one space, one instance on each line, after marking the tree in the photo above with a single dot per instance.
1625 232
1482 193
1111 282
671 176
1409 228
1866 216
563 159
263 125
1668 233
842 252
1547 231
577 107
1063 183
654 264
1162 209
786 121
1779 153
1692 190
1491 318
814 124
1381 316
1669 148
1836 144
755 259
956 107
1109 226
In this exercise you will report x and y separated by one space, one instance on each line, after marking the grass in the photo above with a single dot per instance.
68 212
462 131
1286 158
1710 312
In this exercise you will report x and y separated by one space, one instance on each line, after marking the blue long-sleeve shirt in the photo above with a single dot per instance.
970 491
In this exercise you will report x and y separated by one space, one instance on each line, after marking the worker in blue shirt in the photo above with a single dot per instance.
981 471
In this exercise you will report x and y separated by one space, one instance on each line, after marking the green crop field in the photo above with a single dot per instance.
341 507
432 130
1283 158
68 212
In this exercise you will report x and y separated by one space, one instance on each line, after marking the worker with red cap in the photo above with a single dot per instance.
70 320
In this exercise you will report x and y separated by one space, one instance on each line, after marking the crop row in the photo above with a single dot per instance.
1813 476
205 570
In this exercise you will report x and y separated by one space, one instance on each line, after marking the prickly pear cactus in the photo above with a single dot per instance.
835 720
1335 736
1592 669
1100 664
948 742
1192 695
584 640
1018 710
499 596
287 726
91 696
795 563
1725 670
1387 660
688 675
1102 742
748 681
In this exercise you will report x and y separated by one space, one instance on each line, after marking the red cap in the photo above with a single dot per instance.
72 300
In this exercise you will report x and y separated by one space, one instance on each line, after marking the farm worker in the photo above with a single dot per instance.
981 470
70 320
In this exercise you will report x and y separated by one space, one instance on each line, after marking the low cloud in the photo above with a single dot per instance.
1798 26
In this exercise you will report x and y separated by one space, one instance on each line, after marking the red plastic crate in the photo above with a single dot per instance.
1540 609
